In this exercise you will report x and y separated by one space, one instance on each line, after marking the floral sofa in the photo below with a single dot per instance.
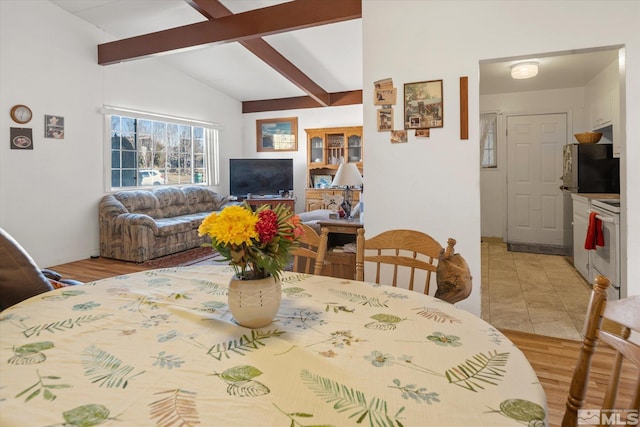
138 225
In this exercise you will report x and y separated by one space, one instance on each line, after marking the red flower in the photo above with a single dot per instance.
267 226
296 224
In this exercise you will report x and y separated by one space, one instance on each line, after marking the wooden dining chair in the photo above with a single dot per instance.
309 256
405 251
612 323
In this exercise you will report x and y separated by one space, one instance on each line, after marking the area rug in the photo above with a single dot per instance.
195 256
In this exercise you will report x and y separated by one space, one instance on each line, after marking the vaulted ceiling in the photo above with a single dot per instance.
275 48
283 54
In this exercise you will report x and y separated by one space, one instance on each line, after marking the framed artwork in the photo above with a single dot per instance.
277 134
322 181
21 138
423 105
385 119
53 127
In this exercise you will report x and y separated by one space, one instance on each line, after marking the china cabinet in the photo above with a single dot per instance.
327 149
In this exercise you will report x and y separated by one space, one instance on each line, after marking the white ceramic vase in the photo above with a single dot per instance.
254 303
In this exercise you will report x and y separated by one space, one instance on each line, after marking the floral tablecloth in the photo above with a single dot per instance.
160 348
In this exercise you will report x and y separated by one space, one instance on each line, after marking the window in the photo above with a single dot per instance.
148 151
488 140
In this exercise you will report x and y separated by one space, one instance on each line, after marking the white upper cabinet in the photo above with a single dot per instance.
601 111
602 96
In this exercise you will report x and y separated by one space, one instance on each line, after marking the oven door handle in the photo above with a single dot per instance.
604 218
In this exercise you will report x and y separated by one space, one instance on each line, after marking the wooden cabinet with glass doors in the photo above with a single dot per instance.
327 149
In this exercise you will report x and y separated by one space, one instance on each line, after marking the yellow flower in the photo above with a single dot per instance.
256 244
235 225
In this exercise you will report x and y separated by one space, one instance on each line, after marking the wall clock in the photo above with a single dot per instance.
21 113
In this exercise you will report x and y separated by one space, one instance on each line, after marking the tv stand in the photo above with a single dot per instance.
254 202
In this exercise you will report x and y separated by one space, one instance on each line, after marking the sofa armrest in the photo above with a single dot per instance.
110 207
142 220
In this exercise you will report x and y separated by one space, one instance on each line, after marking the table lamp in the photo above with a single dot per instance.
347 176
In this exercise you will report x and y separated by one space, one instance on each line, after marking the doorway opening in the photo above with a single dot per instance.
514 257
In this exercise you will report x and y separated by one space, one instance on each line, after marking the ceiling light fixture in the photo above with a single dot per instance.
524 70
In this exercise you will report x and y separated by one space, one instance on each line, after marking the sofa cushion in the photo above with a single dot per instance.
139 201
176 225
172 202
20 278
201 199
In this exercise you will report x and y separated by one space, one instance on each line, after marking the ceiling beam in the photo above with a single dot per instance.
213 9
352 97
242 26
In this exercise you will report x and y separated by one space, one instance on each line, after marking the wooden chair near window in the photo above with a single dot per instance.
403 250
612 323
309 256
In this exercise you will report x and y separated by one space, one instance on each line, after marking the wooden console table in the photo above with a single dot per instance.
272 201
339 263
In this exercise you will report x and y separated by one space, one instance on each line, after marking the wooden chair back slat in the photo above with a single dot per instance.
309 256
410 249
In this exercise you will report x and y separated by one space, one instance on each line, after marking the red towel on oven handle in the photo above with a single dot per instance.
595 237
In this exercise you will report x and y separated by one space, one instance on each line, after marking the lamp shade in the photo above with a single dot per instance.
524 70
348 175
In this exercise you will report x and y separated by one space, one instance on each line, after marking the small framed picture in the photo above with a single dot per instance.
423 105
21 138
398 136
322 181
385 119
277 134
385 96
53 127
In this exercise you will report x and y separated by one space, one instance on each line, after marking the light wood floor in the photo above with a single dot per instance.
553 359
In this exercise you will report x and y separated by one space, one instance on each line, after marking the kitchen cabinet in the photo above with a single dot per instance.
616 121
580 226
602 104
601 111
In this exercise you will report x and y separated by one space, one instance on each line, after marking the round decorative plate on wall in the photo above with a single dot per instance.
21 114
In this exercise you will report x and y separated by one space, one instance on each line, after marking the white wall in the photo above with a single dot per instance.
434 185
49 195
308 118
493 184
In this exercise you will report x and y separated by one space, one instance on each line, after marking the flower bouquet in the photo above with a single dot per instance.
256 244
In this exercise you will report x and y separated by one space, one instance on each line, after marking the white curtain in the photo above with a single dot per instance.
486 121
212 157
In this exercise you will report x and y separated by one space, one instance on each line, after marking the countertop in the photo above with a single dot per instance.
592 196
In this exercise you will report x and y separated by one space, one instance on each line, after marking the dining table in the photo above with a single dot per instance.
161 348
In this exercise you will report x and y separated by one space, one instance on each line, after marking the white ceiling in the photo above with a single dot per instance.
556 70
331 55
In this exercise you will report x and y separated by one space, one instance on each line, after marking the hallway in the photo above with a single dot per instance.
534 293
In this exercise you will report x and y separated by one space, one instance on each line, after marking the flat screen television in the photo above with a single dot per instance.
264 177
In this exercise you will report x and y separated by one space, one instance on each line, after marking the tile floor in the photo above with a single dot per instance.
535 293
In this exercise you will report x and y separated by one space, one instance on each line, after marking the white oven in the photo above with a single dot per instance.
605 260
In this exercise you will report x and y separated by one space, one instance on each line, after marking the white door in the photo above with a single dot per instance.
534 170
